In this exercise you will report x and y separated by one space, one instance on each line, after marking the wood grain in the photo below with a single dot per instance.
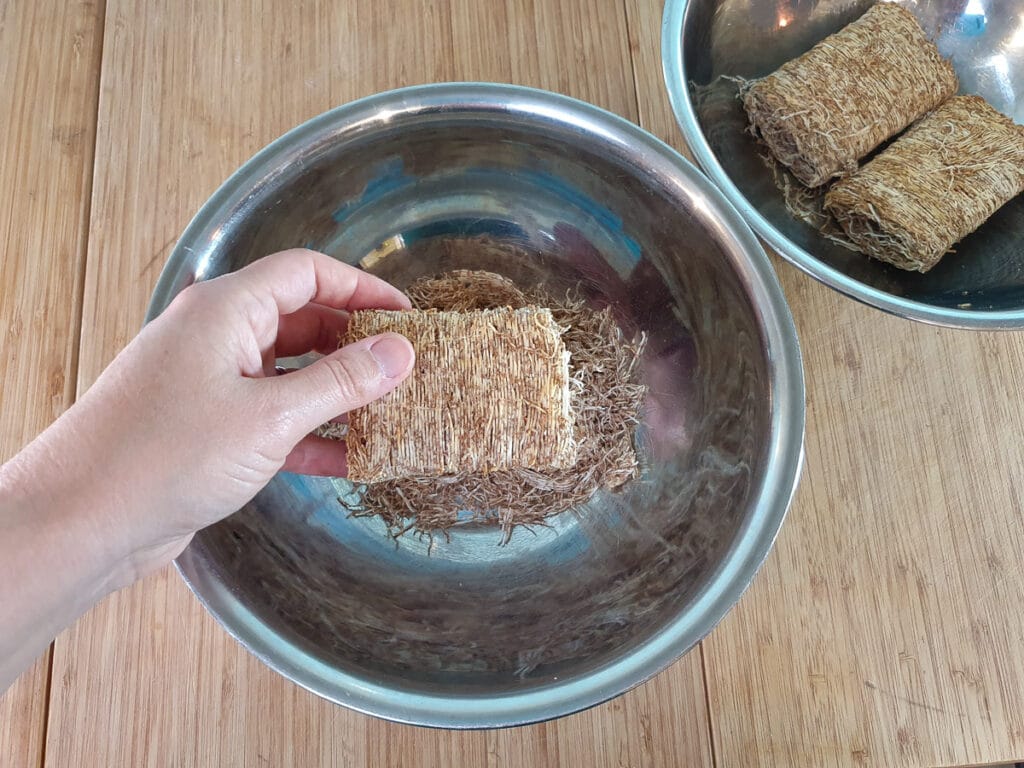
885 627
576 47
189 91
654 112
49 75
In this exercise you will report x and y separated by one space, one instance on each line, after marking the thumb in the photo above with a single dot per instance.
351 377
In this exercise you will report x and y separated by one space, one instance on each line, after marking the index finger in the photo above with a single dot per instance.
299 276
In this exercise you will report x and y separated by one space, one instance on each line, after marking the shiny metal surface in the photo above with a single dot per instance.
704 42
469 633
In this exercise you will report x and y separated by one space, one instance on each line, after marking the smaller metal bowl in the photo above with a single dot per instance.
705 42
470 633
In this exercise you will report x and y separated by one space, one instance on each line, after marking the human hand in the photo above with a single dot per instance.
190 421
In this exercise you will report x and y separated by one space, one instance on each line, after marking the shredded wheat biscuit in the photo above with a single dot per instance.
933 186
821 113
490 391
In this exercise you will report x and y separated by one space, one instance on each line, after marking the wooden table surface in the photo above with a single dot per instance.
885 628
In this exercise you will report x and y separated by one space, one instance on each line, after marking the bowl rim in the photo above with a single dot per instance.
676 79
769 501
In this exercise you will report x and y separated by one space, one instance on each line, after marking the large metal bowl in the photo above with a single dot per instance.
706 42
469 633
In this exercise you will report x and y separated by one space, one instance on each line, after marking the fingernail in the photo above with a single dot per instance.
393 354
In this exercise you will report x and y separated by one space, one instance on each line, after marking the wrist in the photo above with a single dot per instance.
48 515
55 562
55 496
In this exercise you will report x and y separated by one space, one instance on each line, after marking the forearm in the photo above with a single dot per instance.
56 561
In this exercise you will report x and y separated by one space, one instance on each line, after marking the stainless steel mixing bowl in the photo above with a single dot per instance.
706 42
469 633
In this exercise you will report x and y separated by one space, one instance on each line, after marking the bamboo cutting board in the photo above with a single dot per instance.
882 630
47 130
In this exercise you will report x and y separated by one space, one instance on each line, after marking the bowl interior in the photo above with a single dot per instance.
468 618
725 39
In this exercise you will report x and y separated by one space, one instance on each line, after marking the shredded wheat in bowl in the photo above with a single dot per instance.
605 403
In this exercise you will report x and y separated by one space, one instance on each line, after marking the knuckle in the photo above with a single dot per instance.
188 296
273 412
277 423
196 298
351 378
